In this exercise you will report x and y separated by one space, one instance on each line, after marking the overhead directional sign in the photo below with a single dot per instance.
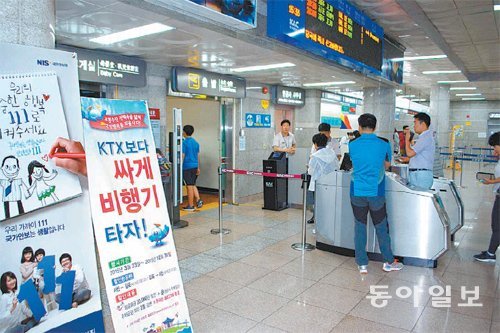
109 68
288 95
199 81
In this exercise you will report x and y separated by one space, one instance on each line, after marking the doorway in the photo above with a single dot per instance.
203 115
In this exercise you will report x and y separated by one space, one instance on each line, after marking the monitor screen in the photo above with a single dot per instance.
346 163
276 155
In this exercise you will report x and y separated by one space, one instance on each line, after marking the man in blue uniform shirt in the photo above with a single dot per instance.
370 157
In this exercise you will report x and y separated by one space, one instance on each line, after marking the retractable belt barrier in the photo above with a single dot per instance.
462 156
471 157
262 174
303 245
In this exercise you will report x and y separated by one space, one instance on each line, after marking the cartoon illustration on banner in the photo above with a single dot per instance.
29 103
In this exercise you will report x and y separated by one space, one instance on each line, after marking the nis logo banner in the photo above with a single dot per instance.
46 63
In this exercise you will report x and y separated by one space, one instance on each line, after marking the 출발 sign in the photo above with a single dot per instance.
198 81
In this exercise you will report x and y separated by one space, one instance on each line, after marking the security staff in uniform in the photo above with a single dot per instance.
284 141
421 155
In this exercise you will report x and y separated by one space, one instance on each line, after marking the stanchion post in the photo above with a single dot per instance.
461 169
453 166
220 230
303 246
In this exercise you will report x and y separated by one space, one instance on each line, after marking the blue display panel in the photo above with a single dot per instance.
242 10
332 29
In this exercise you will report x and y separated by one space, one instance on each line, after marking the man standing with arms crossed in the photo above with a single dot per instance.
370 157
284 141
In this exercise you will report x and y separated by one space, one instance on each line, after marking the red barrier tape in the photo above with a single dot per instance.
262 174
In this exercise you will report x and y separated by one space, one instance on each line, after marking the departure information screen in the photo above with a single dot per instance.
333 29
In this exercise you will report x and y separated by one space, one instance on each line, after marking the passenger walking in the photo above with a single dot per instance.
191 167
370 157
489 255
421 155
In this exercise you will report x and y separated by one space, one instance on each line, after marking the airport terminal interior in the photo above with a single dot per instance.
256 254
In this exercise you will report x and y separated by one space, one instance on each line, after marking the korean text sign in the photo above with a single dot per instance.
131 224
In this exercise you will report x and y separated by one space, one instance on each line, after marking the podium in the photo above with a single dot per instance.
275 189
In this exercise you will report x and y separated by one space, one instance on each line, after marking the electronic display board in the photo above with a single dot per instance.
393 70
332 29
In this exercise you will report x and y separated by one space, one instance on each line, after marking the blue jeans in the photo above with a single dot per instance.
376 206
421 180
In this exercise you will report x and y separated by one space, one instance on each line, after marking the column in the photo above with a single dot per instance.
381 102
440 112
28 22
307 119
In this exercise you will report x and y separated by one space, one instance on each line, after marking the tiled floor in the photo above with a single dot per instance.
251 280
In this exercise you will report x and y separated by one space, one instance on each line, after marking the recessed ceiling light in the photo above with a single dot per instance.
262 67
463 88
437 56
496 7
478 94
407 96
456 81
253 88
404 36
441 72
473 99
323 84
418 100
144 30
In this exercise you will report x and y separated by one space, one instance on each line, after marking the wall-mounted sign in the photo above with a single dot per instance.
109 68
346 100
494 115
262 120
264 103
154 116
331 29
198 81
288 95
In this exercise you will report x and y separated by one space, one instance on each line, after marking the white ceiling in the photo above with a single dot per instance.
466 30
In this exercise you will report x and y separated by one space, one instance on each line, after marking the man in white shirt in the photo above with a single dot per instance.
81 291
332 143
12 188
284 141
